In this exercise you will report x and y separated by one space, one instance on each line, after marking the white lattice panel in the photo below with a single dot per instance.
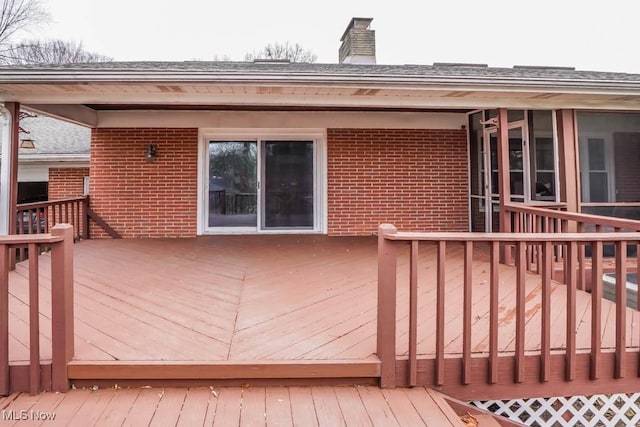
597 410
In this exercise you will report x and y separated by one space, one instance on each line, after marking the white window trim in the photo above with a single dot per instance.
319 136
583 153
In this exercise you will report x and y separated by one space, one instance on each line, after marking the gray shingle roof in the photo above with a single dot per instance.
319 70
53 136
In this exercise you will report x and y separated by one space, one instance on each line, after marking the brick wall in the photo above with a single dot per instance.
415 179
65 183
139 198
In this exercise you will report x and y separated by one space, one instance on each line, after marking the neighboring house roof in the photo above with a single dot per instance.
53 136
54 141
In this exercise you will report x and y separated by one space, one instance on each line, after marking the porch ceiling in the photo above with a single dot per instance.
86 102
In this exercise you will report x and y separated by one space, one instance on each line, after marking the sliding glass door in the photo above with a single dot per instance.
288 184
232 184
261 185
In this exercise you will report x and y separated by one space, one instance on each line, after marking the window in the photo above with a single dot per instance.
609 157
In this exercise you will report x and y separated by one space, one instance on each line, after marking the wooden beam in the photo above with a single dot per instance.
224 369
568 160
78 114
504 187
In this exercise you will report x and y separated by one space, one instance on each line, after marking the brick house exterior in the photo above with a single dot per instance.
407 144
414 177
139 198
65 183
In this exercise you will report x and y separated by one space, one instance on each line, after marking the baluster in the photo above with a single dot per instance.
596 308
413 314
34 321
440 310
467 304
520 311
545 343
621 307
493 312
582 274
572 253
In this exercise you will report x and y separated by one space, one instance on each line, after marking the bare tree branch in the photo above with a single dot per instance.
16 15
294 53
49 52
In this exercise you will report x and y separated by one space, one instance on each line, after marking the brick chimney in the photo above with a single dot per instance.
358 43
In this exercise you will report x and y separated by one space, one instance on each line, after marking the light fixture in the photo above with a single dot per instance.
493 121
151 153
27 144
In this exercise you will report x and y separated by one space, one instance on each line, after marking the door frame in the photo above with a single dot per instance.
489 195
318 136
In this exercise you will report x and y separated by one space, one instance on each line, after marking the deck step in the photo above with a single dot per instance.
224 370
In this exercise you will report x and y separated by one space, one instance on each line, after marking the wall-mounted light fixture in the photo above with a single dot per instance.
27 143
151 153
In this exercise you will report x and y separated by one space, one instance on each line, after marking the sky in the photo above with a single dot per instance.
594 35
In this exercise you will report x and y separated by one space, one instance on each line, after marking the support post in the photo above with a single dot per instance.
62 329
504 186
4 320
568 162
386 344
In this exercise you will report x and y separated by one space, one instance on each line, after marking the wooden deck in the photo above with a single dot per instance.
235 406
271 299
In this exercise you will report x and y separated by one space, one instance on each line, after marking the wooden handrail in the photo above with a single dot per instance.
35 205
62 335
75 211
547 245
38 218
603 221
512 237
41 216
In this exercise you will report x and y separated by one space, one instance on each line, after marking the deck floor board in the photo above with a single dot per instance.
286 297
270 406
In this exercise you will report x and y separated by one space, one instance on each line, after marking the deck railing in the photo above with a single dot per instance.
40 217
518 366
62 334
535 219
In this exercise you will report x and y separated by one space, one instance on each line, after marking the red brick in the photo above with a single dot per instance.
142 199
414 178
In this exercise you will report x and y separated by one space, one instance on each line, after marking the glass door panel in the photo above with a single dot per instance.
288 185
516 165
232 184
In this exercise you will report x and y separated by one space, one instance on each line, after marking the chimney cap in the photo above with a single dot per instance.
362 23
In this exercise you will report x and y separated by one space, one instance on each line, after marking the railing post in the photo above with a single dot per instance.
62 330
5 264
386 345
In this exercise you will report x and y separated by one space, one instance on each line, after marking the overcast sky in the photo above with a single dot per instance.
589 35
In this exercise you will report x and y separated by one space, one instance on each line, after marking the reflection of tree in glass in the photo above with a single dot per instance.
232 166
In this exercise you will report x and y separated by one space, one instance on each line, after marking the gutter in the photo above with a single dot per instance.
52 158
393 80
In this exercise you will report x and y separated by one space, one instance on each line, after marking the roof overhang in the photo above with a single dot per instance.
83 96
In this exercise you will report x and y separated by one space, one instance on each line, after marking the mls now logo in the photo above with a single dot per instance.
24 415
